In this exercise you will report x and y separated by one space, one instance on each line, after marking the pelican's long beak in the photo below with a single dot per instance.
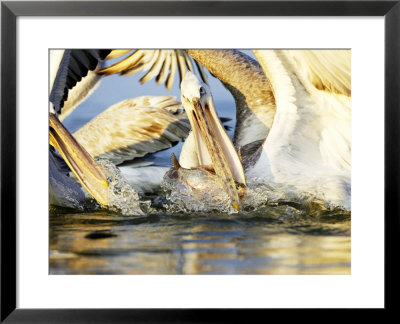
79 161
213 145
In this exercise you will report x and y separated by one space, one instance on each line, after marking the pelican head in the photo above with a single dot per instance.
213 145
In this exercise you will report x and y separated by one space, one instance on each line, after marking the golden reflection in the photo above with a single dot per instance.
277 254
102 245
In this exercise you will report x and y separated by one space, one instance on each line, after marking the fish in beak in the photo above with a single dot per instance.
213 145
79 161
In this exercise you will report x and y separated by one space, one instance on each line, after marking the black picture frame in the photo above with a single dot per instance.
10 10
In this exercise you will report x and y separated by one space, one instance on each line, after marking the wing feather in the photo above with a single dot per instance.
171 76
312 126
162 76
134 128
188 61
159 64
117 53
328 70
144 64
156 68
202 72
125 64
181 64
73 77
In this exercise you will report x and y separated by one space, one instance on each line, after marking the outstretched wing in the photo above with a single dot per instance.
312 123
328 70
159 64
72 77
135 127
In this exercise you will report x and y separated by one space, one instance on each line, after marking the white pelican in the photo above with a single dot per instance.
297 105
125 131
309 144
131 129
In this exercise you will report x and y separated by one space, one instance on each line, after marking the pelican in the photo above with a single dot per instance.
131 129
127 130
309 144
67 69
135 128
293 118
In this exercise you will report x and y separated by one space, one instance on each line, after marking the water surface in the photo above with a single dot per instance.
273 241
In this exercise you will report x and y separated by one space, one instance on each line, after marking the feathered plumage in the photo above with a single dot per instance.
72 78
134 127
159 64
298 101
309 145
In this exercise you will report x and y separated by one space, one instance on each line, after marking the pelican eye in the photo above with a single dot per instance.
202 91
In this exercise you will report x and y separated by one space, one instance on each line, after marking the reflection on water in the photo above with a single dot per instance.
267 242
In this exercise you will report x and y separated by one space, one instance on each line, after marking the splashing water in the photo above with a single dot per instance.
198 191
288 201
261 192
195 190
122 198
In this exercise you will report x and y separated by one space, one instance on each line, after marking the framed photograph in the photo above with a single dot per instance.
204 157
